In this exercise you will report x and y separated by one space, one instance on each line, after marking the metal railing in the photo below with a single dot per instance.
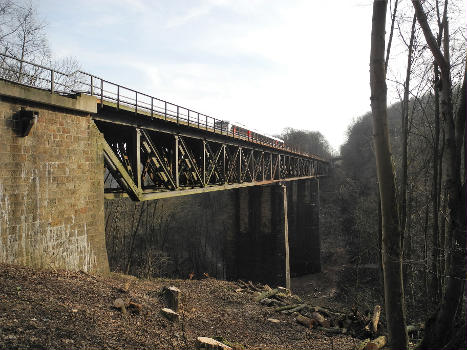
55 81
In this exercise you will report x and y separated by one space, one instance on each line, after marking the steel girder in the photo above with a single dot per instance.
149 164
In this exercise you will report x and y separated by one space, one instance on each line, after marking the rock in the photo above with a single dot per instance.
273 320
170 314
206 343
284 290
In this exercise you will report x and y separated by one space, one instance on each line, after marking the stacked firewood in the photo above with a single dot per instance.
354 323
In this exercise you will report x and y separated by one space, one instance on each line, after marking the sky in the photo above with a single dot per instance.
264 63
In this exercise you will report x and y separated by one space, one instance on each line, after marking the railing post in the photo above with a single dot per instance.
240 180
52 77
198 120
152 106
177 114
188 117
177 178
118 97
206 120
92 85
102 93
136 102
204 163
223 163
165 110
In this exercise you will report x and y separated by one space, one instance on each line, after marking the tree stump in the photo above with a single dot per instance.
120 304
172 297
170 314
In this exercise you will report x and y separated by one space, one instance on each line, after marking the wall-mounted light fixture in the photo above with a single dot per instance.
27 120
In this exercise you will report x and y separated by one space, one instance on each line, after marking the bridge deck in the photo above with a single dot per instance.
157 157
154 148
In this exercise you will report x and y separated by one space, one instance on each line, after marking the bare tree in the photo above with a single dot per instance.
391 234
23 36
440 328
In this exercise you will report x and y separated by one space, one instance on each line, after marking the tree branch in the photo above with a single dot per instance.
430 38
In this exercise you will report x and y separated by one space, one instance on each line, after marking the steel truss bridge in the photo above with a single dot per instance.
155 149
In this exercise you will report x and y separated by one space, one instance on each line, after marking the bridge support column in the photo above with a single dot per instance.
260 250
304 227
51 182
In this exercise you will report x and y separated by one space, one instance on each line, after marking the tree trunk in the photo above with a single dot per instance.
440 327
404 128
437 261
435 255
392 262
391 33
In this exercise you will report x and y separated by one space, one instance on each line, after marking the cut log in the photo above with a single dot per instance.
252 286
295 309
170 314
285 307
205 343
376 344
296 298
306 321
243 284
375 318
318 317
281 296
323 322
284 290
335 330
266 294
134 307
268 302
273 320
326 312
172 297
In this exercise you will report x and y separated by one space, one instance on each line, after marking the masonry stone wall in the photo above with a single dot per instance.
51 189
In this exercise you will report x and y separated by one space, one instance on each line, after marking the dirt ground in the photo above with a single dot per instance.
74 310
